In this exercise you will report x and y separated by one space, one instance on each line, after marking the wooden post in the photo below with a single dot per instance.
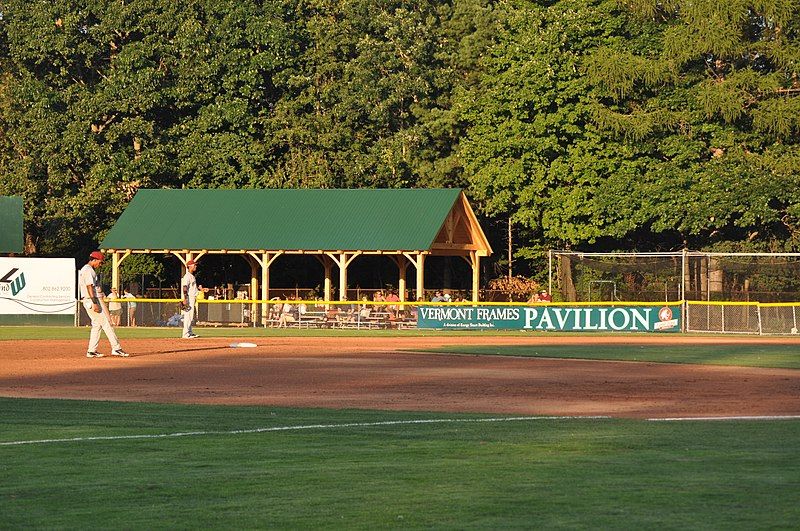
343 260
474 261
115 270
265 261
420 276
253 288
402 265
327 264
476 274
343 276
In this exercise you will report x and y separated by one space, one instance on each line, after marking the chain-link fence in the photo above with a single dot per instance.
689 275
291 313
726 318
166 312
779 318
742 317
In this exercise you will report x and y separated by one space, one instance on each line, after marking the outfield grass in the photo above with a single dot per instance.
778 356
602 473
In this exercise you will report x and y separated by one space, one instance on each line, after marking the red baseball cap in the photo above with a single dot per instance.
96 255
190 262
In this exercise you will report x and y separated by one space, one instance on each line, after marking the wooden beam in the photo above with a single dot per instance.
476 232
476 275
343 260
266 262
115 270
402 266
418 261
124 256
455 246
264 259
255 264
327 264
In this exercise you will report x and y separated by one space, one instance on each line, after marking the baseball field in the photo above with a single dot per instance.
408 429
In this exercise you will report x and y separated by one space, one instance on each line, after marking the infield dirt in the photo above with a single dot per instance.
390 373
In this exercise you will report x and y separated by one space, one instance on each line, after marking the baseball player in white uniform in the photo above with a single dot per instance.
92 299
189 299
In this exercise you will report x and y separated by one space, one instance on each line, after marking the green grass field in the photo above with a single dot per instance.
144 466
764 355
546 473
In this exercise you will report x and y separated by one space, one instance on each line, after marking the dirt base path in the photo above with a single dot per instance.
381 373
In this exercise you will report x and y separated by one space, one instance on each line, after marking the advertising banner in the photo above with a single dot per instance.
662 318
37 286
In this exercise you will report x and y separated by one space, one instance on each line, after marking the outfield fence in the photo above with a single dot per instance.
691 316
259 313
742 317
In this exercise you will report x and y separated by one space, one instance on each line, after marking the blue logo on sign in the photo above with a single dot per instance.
16 283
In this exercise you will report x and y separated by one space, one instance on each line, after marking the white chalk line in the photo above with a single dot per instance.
293 428
740 417
375 424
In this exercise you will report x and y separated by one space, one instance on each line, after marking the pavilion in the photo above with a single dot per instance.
334 225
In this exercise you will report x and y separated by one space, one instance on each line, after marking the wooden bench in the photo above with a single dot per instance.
407 323
311 320
217 324
377 320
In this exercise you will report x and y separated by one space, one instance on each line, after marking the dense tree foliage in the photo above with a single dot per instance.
592 124
644 125
101 98
711 95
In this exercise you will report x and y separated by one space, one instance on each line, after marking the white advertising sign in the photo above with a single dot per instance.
37 286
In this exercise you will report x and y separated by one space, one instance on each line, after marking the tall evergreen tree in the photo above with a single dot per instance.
712 92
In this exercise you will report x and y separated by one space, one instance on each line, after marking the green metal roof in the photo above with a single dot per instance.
302 220
11 224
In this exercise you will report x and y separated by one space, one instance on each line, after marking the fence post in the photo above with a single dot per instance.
758 313
684 274
685 317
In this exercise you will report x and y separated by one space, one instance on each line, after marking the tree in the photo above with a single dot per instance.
530 151
133 268
647 128
371 103
98 99
712 92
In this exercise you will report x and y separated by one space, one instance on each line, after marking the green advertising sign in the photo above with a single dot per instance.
663 318
11 224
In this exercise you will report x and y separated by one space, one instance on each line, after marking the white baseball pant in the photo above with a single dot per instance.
100 321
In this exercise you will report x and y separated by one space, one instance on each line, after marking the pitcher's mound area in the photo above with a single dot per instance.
386 373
